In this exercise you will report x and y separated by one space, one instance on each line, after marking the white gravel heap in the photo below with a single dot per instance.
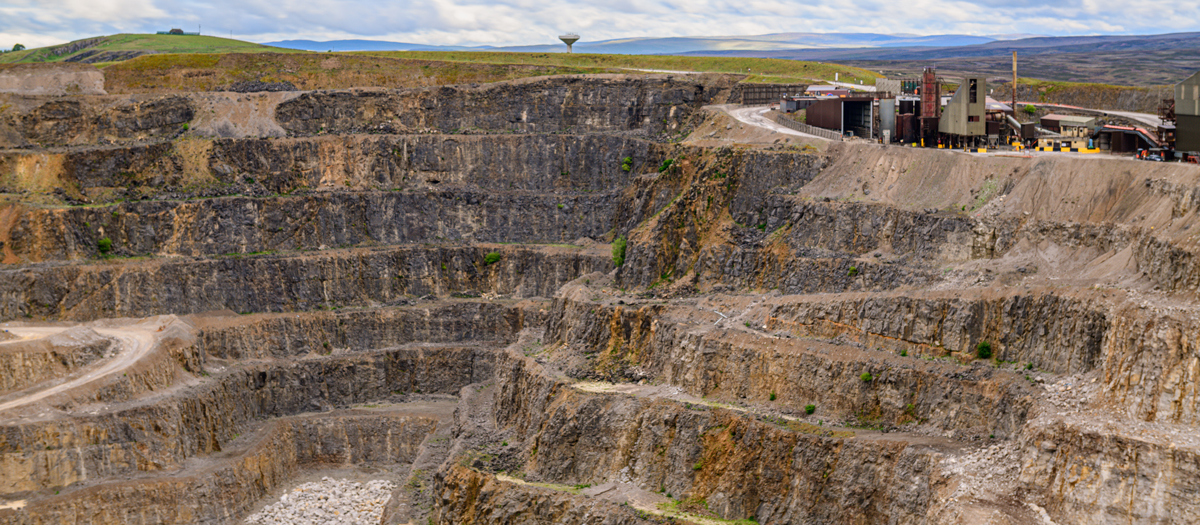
329 501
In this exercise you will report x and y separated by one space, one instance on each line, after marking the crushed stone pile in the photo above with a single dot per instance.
329 501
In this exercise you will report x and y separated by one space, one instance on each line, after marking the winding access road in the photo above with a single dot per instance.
755 116
135 342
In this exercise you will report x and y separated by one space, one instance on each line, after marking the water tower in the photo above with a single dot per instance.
569 39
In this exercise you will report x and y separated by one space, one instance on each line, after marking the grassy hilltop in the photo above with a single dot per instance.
125 46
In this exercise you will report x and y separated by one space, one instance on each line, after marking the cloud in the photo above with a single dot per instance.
515 22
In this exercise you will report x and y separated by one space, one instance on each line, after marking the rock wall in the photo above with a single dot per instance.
27 363
224 494
680 349
650 105
52 79
1095 473
283 336
290 283
742 467
467 497
207 168
203 419
52 121
246 225
1054 332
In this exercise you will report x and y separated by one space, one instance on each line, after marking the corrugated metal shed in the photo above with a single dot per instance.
1187 114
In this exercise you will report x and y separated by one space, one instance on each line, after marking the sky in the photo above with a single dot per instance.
36 23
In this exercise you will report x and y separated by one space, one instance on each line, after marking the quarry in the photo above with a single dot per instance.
578 299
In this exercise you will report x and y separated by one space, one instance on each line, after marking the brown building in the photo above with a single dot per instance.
851 114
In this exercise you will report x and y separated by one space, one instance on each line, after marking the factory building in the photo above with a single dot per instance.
1187 114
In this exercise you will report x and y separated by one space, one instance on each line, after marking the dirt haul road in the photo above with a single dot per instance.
135 341
753 116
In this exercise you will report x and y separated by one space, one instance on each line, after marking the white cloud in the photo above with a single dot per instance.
515 22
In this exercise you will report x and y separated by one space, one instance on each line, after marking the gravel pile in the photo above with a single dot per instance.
329 501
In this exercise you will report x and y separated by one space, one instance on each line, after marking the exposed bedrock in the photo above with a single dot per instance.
286 335
26 363
202 419
644 104
542 163
296 282
681 347
331 220
1058 333
647 104
224 492
741 466
467 497
1097 472
477 212
1152 365
57 121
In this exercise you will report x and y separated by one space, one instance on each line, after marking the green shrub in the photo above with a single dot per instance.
618 252
666 165
105 245
772 396
983 350
866 377
809 409
699 465
1029 109
903 353
560 206
853 271
627 164
185 126
491 258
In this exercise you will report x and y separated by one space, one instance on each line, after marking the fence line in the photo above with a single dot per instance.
805 128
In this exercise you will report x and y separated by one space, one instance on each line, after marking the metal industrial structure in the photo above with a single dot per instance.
846 115
914 111
1187 114
1070 125
962 119
569 39
931 104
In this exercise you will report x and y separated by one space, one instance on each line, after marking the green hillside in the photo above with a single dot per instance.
124 47
120 47
759 69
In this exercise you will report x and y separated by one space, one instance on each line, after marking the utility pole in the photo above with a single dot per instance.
1014 85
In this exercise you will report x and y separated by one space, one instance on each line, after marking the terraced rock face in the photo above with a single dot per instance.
530 302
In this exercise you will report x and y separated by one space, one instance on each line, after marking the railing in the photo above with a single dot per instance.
805 128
